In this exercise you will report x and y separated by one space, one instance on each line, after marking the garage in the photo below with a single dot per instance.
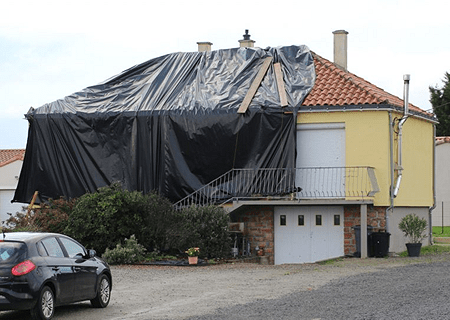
305 234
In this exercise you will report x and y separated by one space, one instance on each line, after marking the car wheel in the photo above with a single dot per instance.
45 306
103 293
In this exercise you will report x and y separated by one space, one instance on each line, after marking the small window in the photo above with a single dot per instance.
52 247
41 249
318 219
282 220
337 220
301 220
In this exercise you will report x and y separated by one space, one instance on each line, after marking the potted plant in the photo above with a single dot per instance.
193 255
414 228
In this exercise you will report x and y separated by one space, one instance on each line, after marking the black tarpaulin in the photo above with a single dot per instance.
169 124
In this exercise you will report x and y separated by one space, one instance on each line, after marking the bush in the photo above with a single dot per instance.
160 223
413 227
131 252
102 219
50 217
206 228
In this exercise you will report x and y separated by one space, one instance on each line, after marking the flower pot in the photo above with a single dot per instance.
413 249
193 260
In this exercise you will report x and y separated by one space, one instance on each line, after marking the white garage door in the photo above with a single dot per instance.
6 205
308 234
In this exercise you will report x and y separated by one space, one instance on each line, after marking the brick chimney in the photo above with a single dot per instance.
204 46
340 48
246 42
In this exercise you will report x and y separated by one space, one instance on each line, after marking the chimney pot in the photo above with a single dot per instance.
340 48
204 46
246 42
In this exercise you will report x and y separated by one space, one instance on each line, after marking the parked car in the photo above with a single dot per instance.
40 271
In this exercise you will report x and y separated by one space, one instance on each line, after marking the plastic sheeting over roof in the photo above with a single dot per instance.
169 124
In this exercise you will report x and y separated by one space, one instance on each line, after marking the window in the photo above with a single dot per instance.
72 248
301 220
318 219
337 220
52 247
41 249
282 220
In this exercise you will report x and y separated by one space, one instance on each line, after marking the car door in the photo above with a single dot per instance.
84 269
60 267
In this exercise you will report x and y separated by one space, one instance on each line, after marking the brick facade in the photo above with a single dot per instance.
259 226
376 218
259 229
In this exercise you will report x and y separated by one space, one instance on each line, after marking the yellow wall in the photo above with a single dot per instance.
417 184
368 144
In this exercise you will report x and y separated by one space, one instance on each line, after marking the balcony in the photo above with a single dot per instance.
311 183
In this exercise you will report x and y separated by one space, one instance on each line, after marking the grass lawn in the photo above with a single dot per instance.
438 232
429 250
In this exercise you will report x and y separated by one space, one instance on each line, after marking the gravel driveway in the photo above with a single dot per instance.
374 288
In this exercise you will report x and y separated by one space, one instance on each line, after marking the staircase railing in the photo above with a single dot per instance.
296 183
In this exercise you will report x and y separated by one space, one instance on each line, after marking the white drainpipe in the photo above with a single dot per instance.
406 78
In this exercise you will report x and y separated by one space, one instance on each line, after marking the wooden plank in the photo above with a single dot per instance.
255 85
280 84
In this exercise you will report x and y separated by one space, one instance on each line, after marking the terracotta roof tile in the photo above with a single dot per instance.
10 155
442 140
336 87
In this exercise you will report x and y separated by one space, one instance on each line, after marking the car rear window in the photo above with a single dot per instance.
12 251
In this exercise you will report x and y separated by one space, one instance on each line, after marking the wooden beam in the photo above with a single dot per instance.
255 85
280 84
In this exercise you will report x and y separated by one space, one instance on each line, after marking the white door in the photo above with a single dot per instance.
321 145
306 234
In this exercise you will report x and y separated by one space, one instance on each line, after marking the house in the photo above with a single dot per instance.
441 215
361 161
299 150
10 164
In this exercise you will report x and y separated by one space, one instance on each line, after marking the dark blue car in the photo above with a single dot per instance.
40 271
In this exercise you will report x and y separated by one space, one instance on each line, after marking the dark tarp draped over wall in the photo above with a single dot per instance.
169 124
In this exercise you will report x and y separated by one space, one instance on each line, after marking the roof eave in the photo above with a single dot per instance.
367 107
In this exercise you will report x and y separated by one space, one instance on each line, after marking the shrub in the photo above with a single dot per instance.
206 228
160 221
102 219
131 252
413 227
48 217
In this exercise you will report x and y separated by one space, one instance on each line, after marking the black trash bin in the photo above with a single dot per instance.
358 241
379 241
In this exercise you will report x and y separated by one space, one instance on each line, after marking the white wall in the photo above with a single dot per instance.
442 185
8 184
397 239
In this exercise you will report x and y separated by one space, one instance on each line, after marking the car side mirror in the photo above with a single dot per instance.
92 253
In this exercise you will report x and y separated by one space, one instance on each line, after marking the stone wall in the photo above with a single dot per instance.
259 228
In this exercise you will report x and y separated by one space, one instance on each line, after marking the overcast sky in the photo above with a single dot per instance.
50 49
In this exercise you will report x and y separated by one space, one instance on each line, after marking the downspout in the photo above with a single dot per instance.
406 78
430 216
391 161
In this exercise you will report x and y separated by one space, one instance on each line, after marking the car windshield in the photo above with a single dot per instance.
11 251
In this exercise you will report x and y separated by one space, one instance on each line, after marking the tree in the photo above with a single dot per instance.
440 100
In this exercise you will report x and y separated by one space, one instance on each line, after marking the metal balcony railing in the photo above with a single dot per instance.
297 183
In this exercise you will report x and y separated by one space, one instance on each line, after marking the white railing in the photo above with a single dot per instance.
297 183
